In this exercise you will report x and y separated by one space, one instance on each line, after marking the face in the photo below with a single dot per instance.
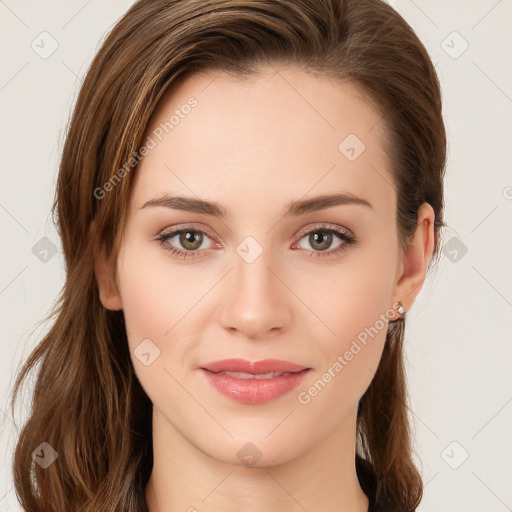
273 277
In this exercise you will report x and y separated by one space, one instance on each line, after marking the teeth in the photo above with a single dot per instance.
243 375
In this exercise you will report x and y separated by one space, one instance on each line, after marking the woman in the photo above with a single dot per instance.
249 198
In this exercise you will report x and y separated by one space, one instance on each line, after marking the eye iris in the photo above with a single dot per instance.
324 237
191 237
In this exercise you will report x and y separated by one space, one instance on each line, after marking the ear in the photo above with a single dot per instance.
415 258
109 293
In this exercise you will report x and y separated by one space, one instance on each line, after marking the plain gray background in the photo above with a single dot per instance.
458 335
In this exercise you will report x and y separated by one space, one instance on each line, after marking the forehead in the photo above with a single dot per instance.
271 137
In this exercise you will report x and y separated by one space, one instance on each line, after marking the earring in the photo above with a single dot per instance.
400 309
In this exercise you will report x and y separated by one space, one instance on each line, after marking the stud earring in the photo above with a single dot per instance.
400 309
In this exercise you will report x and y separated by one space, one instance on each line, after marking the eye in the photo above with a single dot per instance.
191 239
321 238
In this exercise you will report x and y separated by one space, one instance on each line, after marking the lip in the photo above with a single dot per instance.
242 365
254 390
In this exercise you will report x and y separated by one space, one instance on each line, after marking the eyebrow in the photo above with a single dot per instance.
293 209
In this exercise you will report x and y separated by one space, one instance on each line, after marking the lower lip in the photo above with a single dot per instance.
254 391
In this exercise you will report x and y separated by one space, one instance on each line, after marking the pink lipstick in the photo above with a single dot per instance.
254 382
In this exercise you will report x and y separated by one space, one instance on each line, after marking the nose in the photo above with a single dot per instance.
255 302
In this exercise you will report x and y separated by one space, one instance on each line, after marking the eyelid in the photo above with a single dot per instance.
326 226
201 228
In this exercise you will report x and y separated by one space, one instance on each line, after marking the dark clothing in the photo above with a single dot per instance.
368 482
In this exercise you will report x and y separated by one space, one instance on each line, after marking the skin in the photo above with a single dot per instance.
253 146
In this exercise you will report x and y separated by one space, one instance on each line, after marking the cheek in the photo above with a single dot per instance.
349 358
355 309
355 296
161 322
156 306
155 297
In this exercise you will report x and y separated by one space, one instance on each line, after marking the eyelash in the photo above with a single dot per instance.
190 254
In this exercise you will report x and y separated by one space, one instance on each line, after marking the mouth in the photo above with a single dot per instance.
243 375
253 368
254 383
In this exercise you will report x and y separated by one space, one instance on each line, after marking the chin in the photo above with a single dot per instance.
255 452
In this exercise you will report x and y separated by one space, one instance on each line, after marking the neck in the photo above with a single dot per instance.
186 478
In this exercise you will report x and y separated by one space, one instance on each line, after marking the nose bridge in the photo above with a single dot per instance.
257 301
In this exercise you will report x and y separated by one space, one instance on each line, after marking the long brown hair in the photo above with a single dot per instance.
88 404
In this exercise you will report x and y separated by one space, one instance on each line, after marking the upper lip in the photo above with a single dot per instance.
254 368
